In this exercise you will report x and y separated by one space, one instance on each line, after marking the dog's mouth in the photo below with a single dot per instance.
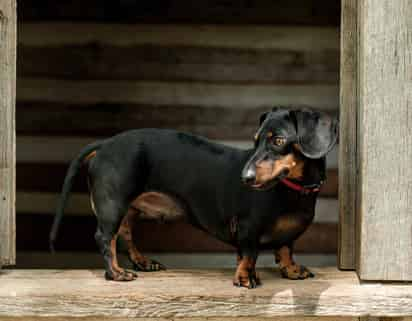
272 183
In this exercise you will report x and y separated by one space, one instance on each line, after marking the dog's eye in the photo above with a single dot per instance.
279 141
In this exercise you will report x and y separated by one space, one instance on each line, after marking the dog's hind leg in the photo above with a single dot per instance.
109 212
140 262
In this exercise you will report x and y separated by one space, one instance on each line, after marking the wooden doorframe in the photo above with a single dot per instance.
8 34
376 139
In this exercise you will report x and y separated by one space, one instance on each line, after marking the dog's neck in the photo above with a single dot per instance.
313 173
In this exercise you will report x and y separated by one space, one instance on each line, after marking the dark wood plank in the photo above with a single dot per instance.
258 37
294 12
77 234
177 93
182 63
348 180
44 177
109 119
39 118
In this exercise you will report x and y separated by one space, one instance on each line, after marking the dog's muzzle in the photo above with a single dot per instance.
248 175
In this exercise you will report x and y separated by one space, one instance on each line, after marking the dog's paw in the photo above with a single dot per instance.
148 265
123 276
248 280
296 272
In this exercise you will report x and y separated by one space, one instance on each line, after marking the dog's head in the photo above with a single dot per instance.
283 141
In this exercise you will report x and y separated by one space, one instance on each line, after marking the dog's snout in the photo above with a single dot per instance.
249 176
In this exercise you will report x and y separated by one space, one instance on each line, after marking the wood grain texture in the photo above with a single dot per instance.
295 12
196 293
256 37
385 100
348 135
105 120
7 130
324 97
300 318
179 63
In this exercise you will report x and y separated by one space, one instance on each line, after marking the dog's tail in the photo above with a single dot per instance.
74 167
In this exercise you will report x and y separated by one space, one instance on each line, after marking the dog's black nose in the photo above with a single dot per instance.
248 176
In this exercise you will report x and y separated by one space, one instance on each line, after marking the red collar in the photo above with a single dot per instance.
303 189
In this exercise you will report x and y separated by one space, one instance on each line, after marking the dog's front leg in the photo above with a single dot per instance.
246 275
288 268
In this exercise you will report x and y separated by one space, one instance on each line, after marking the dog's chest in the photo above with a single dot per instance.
285 228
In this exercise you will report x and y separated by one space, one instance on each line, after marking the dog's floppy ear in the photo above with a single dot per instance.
317 132
263 117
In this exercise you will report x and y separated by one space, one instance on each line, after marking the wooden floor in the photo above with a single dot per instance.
199 294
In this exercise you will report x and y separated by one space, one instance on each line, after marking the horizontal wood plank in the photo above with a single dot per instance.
187 63
77 234
308 12
325 97
172 260
302 318
50 149
196 293
208 35
42 118
31 177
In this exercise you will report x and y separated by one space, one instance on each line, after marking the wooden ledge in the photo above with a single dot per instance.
195 294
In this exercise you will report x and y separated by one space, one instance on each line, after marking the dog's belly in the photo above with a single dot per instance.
158 206
284 230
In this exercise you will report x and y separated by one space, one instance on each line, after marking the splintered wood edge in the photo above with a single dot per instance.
301 318
293 318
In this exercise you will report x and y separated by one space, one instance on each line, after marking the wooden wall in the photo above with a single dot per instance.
89 69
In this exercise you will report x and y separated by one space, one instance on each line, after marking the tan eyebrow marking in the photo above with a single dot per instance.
269 134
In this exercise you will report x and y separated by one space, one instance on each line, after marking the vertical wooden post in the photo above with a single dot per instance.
348 135
385 140
7 130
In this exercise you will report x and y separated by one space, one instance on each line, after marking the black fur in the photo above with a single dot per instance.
206 177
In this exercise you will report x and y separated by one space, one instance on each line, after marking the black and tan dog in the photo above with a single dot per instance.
262 198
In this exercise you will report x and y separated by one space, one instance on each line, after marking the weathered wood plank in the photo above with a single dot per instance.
301 318
385 133
62 149
172 260
42 118
325 97
309 12
30 177
162 63
178 237
196 293
288 318
348 135
7 130
240 36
